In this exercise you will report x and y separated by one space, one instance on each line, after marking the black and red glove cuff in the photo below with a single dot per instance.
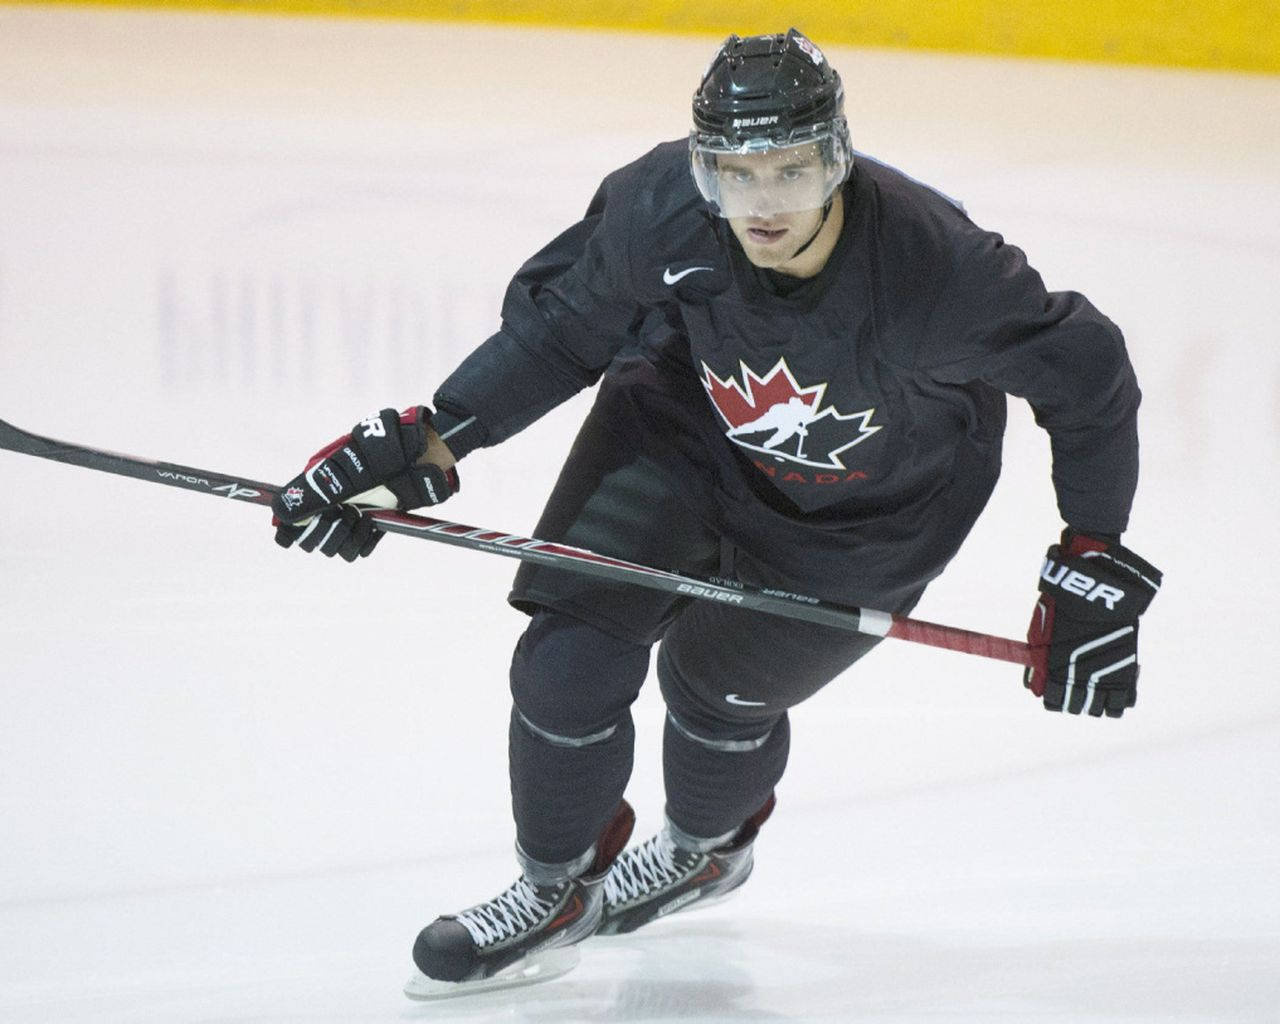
1095 578
425 484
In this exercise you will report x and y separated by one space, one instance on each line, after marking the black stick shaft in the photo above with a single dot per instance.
530 549
170 473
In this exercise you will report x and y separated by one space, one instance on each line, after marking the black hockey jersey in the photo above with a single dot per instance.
874 390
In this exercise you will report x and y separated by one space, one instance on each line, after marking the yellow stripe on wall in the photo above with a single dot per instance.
1241 35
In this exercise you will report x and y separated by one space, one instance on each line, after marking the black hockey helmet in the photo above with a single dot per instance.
773 87
764 93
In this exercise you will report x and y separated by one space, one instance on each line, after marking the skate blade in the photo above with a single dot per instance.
537 967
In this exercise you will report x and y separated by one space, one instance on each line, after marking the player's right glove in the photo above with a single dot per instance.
1084 630
315 508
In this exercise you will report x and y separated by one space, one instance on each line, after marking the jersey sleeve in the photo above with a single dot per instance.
567 312
995 322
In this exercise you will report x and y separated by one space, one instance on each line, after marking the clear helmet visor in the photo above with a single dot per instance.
763 178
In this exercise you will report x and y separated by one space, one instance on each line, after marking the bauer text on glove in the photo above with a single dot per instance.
1084 629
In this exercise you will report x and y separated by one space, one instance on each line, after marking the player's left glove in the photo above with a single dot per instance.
1085 626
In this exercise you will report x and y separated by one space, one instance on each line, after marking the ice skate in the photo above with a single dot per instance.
661 876
525 935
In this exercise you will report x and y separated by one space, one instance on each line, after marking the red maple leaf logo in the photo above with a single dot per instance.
774 415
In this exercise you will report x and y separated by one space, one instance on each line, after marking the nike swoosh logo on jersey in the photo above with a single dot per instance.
670 278
733 698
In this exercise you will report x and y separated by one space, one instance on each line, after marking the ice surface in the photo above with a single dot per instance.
223 239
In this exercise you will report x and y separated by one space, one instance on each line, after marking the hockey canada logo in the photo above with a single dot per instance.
775 416
292 497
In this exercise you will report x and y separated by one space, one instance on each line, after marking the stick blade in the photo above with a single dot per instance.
15 440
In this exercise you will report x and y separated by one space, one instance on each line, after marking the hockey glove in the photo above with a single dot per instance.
315 509
1085 626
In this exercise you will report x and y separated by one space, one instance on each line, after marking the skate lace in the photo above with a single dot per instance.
643 869
521 906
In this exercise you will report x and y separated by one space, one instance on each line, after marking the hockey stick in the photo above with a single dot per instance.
529 549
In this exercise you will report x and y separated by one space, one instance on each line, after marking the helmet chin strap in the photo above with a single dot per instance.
826 212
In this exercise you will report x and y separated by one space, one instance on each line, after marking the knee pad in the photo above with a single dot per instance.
573 684
710 707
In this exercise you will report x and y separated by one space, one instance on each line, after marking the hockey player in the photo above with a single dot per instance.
805 356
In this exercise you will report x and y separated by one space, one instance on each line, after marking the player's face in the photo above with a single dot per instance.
770 242
776 198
